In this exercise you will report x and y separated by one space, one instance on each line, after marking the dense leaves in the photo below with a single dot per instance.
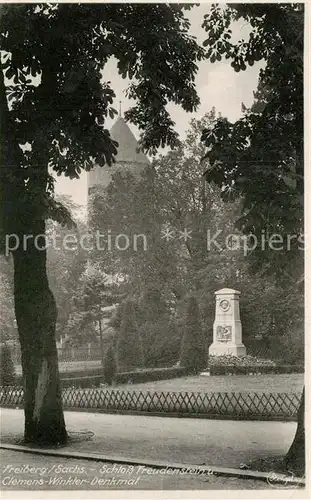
193 355
54 57
7 371
174 196
52 62
93 296
7 326
110 366
129 346
260 157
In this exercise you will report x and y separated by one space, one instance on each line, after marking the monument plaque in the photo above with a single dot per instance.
223 333
227 328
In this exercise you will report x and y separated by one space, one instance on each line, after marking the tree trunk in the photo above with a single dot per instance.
295 458
101 341
36 314
35 307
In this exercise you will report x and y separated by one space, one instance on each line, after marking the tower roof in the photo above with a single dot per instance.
127 156
127 149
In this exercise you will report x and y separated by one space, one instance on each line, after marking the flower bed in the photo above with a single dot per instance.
248 365
248 360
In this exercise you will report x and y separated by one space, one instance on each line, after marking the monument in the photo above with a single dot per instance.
227 328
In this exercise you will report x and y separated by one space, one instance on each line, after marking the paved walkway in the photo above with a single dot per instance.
195 441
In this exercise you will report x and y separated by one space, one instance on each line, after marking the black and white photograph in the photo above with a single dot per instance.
153 249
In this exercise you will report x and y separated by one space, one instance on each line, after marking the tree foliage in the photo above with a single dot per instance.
173 194
52 61
260 156
94 293
7 326
156 322
110 365
193 348
54 56
7 370
170 195
129 345
66 262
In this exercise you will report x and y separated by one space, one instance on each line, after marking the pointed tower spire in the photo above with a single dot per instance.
128 156
120 108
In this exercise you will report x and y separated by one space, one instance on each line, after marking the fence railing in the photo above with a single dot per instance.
71 354
241 405
68 354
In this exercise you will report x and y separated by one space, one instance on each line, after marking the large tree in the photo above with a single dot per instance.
260 156
95 298
52 58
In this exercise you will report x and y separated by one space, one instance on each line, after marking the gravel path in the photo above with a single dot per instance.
212 442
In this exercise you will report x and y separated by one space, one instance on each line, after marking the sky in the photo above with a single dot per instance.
218 85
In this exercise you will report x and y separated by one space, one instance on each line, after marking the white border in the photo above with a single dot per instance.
223 494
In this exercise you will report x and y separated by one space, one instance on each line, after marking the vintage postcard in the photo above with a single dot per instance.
153 249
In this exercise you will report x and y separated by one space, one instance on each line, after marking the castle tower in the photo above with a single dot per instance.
127 157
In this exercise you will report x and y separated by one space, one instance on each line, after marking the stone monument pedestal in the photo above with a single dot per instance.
227 328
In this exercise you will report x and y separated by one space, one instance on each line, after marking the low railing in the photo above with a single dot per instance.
264 406
68 354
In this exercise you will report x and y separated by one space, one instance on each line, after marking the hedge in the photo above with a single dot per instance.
134 377
93 378
247 370
91 372
83 382
149 375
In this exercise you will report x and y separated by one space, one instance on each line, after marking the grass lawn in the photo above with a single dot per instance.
223 383
234 383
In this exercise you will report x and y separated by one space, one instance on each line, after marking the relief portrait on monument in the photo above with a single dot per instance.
224 305
223 333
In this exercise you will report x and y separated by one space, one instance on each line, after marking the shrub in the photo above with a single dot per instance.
159 335
244 365
129 345
82 382
90 372
7 371
161 343
110 366
247 361
260 370
290 348
193 349
150 375
134 377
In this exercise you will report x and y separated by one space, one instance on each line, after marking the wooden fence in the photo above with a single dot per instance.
242 405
